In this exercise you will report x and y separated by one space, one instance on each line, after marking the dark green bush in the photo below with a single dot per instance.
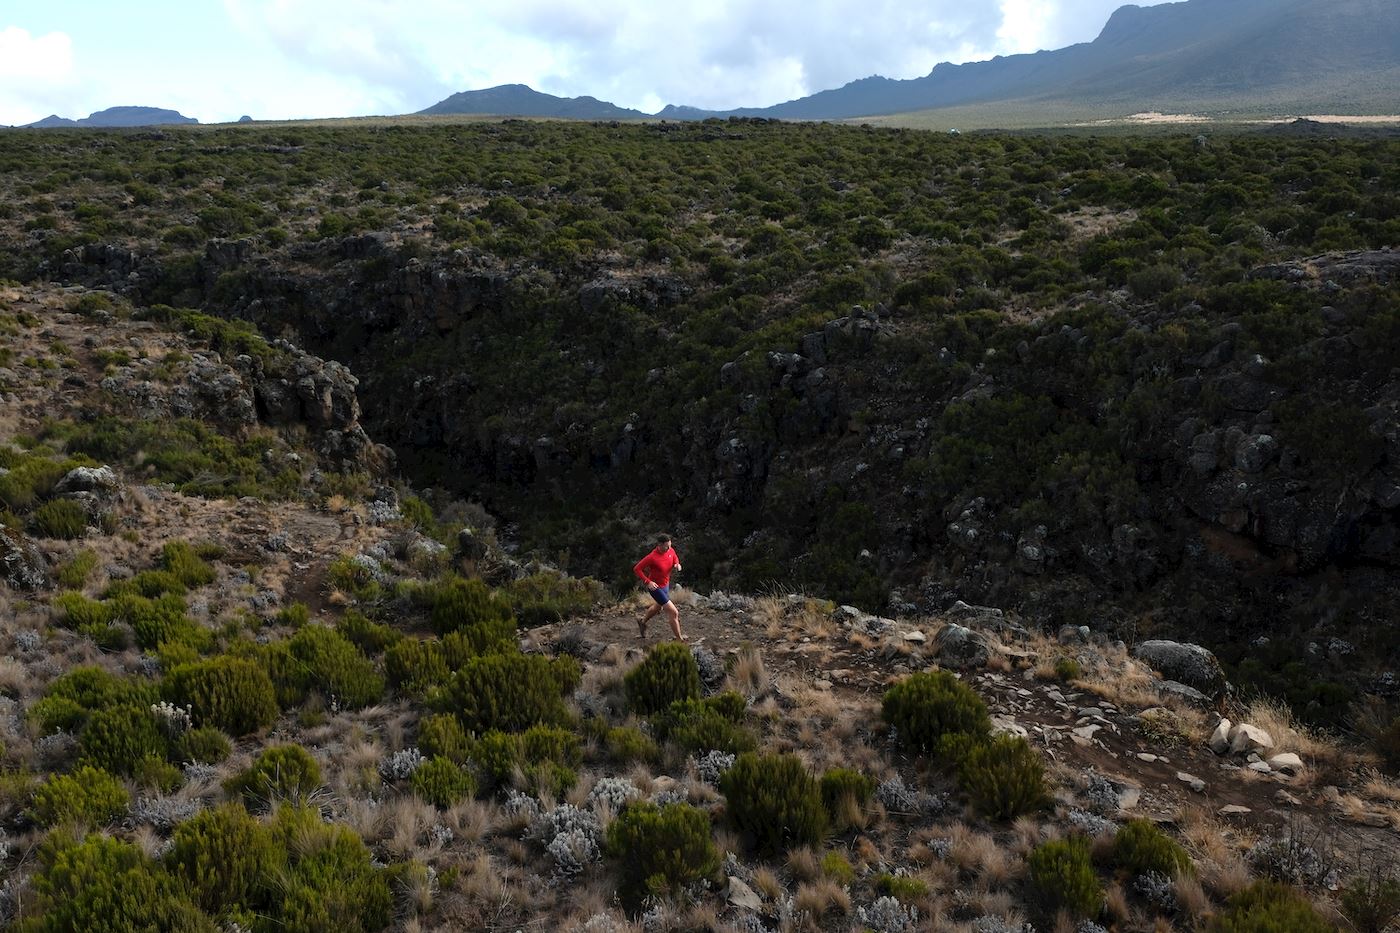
776 800
1004 777
1064 877
101 885
89 688
232 694
118 738
76 611
415 665
224 858
900 887
204 744
370 637
75 573
509 692
1068 669
668 674
702 725
60 518
88 796
442 782
660 850
181 560
544 755
845 792
321 659
543 598
626 744
281 772
1140 847
159 621
331 884
926 706
147 583
56 714
469 607
441 735
295 616
1269 907
1371 902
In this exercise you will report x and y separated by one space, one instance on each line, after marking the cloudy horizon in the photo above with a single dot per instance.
291 59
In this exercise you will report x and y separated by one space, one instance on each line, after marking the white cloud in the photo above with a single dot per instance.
41 58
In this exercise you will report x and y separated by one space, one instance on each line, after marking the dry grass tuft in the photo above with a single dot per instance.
1192 899
748 675
821 898
767 883
804 864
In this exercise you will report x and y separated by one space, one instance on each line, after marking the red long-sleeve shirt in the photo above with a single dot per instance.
656 567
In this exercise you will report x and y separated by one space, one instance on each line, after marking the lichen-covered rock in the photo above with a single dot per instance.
1189 664
22 565
960 646
99 480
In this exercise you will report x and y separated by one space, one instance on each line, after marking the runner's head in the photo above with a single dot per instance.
663 542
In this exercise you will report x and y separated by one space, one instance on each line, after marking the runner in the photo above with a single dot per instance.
655 573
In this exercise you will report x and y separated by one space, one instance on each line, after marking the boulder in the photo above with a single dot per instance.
1219 740
1189 664
1191 781
743 896
1189 694
1287 762
98 480
1074 634
22 564
1245 739
959 646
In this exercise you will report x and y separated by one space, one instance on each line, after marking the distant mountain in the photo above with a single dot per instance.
517 100
1281 55
119 116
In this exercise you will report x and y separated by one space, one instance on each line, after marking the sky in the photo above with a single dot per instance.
217 60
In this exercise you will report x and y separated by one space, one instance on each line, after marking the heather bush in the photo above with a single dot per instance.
181 560
71 697
224 858
330 883
626 744
205 745
1004 777
469 607
509 692
1064 878
776 800
369 636
845 792
416 665
147 583
157 621
442 782
660 850
442 736
231 694
320 658
1371 902
544 597
926 706
280 772
703 725
76 611
102 885
88 796
1140 847
60 518
1269 907
668 674
118 738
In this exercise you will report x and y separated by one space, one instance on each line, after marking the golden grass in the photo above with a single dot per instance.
748 675
804 864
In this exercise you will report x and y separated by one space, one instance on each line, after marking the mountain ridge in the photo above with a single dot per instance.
127 116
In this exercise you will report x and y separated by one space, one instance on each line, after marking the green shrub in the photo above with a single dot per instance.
354 579
157 774
147 583
76 572
320 658
416 665
1068 669
1064 877
1269 907
93 688
1387 745
1140 847
509 692
1371 903
668 674
184 562
442 782
294 616
838 868
88 795
441 735
232 694
660 850
626 744
926 706
76 611
370 637
330 884
1004 777
205 744
702 725
900 887
544 755
776 800
56 714
469 607
281 772
101 885
159 621
544 598
223 857
60 518
845 792
116 739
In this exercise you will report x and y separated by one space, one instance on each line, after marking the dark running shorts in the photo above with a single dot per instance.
662 595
